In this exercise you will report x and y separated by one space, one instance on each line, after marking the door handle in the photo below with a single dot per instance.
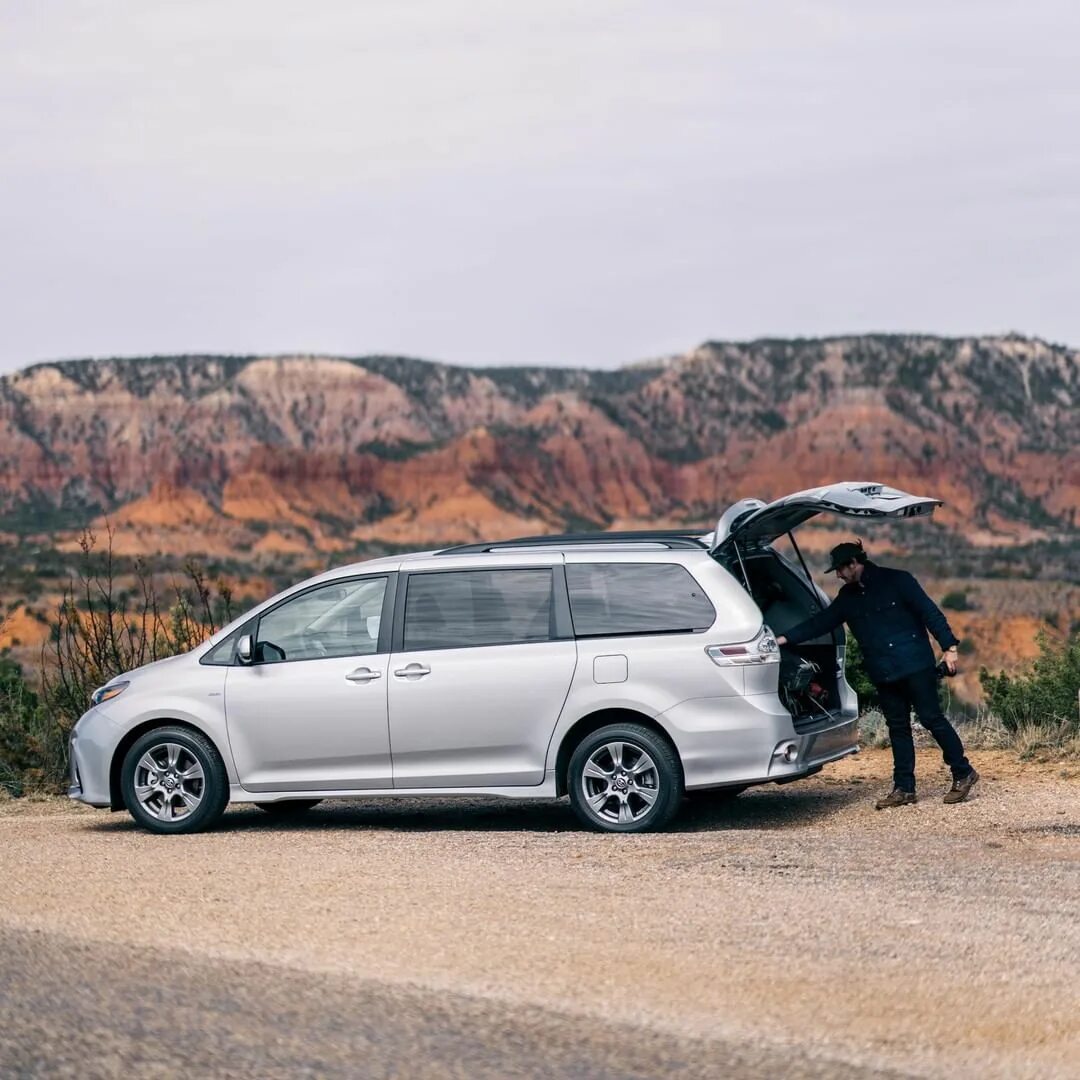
363 674
412 671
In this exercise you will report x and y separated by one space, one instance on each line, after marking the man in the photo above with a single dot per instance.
889 614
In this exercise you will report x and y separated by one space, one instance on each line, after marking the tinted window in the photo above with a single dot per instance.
338 619
635 598
477 607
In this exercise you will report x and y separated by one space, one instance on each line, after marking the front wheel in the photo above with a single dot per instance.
173 781
625 778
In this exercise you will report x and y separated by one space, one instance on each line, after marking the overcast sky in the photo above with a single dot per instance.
589 182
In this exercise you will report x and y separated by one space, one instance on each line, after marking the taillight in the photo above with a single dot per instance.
761 650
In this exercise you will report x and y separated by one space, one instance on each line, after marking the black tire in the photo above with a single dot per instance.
666 776
717 794
287 808
213 789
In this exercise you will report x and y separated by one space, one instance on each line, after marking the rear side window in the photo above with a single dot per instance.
457 609
636 598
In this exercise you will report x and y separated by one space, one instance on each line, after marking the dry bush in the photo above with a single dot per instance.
985 731
98 631
873 732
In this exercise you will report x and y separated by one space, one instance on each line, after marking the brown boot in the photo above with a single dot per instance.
896 797
961 788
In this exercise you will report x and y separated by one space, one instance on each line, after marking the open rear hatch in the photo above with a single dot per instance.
811 674
752 523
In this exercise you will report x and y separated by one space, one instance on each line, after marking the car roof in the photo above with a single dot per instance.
644 541
653 538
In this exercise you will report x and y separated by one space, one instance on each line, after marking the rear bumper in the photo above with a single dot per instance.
830 742
752 740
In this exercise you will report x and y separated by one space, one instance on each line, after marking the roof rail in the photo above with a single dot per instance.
672 538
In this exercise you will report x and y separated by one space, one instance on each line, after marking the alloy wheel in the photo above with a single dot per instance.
169 781
620 782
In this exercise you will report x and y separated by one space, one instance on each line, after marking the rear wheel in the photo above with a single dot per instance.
173 781
625 778
288 808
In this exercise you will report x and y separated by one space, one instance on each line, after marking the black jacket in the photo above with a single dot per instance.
889 614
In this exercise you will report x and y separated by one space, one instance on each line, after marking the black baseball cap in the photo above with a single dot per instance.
844 553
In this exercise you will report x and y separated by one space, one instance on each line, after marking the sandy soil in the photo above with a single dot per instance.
930 940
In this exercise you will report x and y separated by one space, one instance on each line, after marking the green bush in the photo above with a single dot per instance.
1046 694
32 751
855 672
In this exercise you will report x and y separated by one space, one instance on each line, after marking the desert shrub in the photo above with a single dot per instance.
873 731
98 631
1046 695
982 730
1035 741
957 601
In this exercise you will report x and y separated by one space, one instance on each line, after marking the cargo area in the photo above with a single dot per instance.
809 672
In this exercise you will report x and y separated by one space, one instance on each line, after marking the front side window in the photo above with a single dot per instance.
338 619
221 655
636 598
457 609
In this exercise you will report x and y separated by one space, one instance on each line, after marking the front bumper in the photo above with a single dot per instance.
89 758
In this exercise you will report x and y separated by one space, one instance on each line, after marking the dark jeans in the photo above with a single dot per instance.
897 700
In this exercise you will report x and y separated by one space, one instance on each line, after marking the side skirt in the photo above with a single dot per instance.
546 790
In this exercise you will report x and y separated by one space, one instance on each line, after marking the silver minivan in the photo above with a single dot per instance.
621 669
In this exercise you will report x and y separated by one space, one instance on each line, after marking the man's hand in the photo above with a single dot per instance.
949 656
781 640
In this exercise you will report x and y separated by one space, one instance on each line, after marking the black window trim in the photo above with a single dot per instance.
646 633
251 627
562 630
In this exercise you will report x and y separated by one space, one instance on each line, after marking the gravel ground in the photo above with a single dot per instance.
793 931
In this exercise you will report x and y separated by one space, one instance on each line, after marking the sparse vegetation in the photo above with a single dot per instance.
98 631
1034 713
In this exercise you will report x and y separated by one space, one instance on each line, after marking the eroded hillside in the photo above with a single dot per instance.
215 454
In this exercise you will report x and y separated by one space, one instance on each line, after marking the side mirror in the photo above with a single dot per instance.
244 649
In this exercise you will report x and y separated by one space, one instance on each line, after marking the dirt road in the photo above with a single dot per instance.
793 932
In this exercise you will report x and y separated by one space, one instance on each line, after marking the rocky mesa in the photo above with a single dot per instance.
293 453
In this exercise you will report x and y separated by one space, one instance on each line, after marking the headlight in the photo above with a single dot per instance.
108 692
